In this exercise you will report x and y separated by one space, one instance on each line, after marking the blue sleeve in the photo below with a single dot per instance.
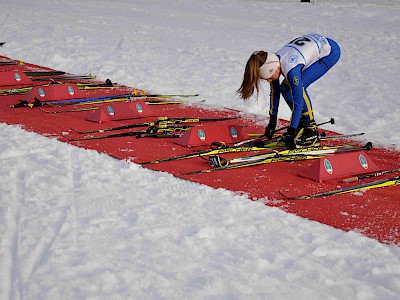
274 98
296 84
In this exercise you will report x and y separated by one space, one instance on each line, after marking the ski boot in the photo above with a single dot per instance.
308 135
217 161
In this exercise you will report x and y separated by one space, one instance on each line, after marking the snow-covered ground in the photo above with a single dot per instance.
76 224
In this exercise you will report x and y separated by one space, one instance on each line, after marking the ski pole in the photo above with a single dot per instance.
356 178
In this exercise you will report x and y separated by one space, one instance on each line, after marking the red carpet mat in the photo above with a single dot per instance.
374 213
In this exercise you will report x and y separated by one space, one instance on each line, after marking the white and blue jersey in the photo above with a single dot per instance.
303 61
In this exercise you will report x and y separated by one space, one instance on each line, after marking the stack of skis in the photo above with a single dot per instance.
266 151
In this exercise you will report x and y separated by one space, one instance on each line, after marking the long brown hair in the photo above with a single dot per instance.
251 77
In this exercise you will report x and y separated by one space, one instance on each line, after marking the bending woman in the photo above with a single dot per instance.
301 62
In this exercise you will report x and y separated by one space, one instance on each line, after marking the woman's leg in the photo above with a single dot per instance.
316 71
319 68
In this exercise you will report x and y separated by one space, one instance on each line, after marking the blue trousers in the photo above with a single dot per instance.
310 75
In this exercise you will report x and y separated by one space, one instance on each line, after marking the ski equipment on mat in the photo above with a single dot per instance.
166 95
216 148
79 109
159 135
263 138
217 161
280 143
276 158
67 77
68 110
150 100
38 103
361 177
104 99
323 136
151 129
361 187
10 63
311 150
43 73
162 121
81 86
221 148
284 155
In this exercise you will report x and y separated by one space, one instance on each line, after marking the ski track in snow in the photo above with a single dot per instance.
27 253
9 240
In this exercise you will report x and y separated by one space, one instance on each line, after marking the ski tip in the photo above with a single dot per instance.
191 173
368 146
197 172
350 179
283 195
109 82
294 198
286 197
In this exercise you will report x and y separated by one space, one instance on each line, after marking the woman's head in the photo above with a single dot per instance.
269 68
261 65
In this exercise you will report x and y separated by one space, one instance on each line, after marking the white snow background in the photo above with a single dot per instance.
76 224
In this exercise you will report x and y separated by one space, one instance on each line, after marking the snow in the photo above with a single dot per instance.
77 224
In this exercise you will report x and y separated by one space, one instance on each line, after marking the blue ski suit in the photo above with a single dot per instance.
303 61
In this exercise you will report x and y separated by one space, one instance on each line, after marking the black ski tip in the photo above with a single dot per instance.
295 198
108 82
283 195
368 146
195 172
2 44
286 196
22 103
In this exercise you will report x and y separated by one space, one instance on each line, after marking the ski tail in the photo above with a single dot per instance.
361 187
376 174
